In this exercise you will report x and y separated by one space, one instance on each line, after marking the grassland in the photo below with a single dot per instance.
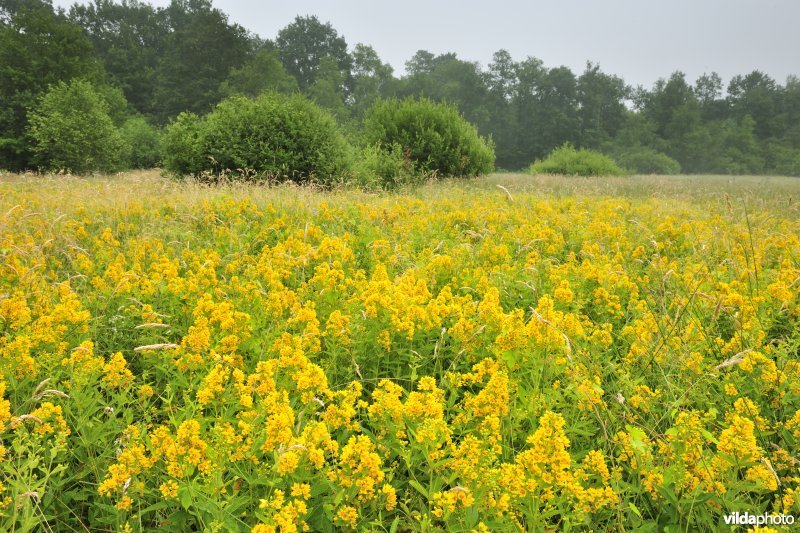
509 353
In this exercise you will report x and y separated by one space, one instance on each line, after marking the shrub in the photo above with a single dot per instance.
570 161
384 168
435 136
71 130
144 141
643 160
182 146
274 136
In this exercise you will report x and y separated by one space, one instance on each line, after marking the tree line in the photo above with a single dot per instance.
149 64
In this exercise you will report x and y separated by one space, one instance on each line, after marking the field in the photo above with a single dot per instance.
511 353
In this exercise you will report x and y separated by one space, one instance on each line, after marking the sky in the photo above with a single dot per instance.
638 40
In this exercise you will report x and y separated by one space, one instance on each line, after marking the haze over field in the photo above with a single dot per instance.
684 89
639 41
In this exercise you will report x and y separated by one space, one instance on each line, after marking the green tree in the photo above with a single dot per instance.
130 38
601 106
501 80
38 47
327 91
758 96
72 130
264 72
674 111
546 106
372 79
305 43
445 78
201 49
708 91
524 104
423 62
790 116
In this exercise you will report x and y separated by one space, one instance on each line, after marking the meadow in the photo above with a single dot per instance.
508 353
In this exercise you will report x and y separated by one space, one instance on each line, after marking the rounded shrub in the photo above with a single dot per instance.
71 130
643 160
435 136
570 161
273 136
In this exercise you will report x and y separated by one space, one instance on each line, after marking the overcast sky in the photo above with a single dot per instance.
639 40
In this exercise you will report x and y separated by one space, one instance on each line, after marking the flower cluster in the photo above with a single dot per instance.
272 360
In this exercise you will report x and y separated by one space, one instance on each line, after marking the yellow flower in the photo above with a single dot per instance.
347 515
301 490
117 375
169 489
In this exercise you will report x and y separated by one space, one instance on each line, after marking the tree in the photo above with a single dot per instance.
264 72
200 50
423 62
790 116
758 96
546 107
446 78
372 79
144 142
502 75
708 91
71 130
601 107
327 89
38 47
305 43
502 84
673 110
130 38
524 103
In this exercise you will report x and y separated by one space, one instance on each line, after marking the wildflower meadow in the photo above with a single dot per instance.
515 354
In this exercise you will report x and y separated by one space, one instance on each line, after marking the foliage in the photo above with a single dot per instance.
130 39
38 47
200 50
276 137
144 141
436 136
71 130
264 72
643 160
187 56
386 168
305 44
570 161
372 79
182 151
601 108
782 158
241 358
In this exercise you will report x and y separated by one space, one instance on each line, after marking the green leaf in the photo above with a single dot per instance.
419 487
185 496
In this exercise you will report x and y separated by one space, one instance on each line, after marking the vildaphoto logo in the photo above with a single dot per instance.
748 519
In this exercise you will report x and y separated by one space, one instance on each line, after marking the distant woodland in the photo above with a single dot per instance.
149 64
